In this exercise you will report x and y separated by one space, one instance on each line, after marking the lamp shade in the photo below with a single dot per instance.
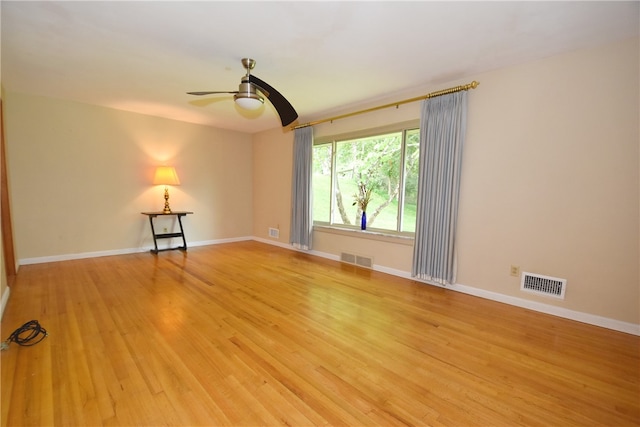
166 175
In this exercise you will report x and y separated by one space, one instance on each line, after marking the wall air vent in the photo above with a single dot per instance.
361 261
543 285
274 233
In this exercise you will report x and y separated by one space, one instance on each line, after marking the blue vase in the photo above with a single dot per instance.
363 221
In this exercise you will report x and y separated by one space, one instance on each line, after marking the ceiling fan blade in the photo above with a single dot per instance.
285 110
209 93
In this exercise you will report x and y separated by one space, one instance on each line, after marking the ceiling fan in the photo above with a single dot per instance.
250 91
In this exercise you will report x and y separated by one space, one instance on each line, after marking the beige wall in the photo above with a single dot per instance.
550 181
272 169
80 176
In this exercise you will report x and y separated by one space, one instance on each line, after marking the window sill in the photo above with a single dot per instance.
366 234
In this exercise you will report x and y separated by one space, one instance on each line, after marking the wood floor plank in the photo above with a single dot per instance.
246 334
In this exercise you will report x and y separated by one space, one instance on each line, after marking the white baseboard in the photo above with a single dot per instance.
83 255
591 319
5 299
219 241
276 243
578 316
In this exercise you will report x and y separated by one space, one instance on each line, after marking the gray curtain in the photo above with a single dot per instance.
301 217
442 130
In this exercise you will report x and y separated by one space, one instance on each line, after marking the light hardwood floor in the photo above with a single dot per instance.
252 334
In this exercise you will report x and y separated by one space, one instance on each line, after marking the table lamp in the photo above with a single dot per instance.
166 175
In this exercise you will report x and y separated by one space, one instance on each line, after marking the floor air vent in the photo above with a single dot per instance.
543 285
362 261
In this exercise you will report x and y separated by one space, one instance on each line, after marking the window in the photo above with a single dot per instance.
385 164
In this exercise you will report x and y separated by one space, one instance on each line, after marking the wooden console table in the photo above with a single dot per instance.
156 236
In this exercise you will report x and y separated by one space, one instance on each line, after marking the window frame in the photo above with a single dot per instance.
403 128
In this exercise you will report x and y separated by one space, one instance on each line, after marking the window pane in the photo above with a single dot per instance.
345 186
411 157
321 182
374 162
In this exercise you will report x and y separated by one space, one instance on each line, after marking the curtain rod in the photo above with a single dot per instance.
474 84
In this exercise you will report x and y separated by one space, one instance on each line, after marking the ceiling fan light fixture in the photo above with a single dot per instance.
248 101
247 96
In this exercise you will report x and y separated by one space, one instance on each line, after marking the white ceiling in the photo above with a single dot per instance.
324 57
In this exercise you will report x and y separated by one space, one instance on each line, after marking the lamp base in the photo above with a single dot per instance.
167 209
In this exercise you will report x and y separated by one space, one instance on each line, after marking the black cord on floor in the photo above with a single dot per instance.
29 334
